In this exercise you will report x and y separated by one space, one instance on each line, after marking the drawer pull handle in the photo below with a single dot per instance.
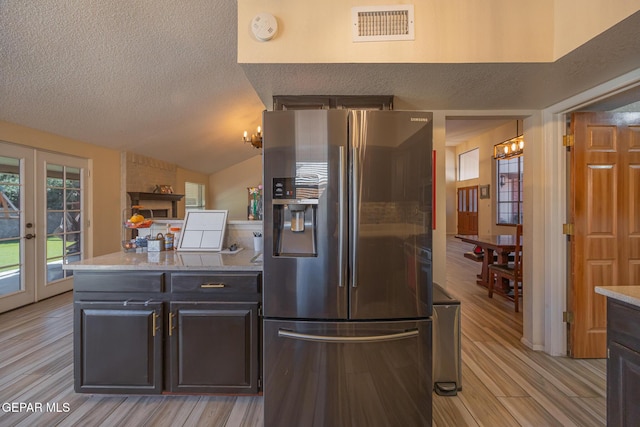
171 316
212 285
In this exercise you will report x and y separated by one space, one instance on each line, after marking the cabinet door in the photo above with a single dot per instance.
326 102
364 102
214 347
118 347
623 386
303 102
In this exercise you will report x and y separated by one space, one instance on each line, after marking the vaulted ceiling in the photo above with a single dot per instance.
160 77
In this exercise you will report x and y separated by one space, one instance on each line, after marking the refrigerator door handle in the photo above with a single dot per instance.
342 339
355 145
341 221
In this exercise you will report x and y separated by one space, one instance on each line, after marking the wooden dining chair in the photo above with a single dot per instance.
511 272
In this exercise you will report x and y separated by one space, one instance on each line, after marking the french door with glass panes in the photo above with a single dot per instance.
42 223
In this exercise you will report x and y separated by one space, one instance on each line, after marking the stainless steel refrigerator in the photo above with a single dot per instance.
347 292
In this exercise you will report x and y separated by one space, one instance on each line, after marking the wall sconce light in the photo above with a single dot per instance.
510 148
255 139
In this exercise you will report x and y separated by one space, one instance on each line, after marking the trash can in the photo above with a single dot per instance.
447 369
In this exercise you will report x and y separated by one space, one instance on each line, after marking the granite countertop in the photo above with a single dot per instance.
243 260
628 294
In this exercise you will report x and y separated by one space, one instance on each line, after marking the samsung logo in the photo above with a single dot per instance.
419 119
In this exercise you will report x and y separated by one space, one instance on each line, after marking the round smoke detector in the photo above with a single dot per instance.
264 26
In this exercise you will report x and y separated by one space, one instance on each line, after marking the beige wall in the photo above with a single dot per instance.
184 175
451 173
106 181
228 188
144 173
105 230
579 21
453 31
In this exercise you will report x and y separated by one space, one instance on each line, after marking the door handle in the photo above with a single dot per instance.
30 236
154 323
341 213
348 339
357 147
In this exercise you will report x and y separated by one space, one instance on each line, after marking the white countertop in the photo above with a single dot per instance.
628 294
244 260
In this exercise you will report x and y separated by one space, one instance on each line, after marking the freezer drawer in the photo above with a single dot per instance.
347 373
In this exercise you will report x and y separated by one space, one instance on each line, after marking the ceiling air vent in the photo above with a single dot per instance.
382 23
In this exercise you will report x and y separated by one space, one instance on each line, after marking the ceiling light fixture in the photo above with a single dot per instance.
255 139
510 148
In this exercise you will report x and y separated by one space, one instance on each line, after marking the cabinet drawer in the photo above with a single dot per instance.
215 283
110 281
622 324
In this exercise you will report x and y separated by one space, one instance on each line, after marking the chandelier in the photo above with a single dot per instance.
255 139
510 148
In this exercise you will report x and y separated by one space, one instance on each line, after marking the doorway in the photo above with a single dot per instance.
42 223
604 178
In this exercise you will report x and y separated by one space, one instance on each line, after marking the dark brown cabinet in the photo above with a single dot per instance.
326 102
623 364
213 347
200 334
119 347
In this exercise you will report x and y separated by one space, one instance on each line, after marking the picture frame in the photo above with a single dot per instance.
203 230
485 192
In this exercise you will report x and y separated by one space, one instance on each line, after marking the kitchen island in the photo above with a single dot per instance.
167 322
623 350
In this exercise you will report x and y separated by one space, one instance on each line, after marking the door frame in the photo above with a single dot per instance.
33 251
555 199
44 289
28 248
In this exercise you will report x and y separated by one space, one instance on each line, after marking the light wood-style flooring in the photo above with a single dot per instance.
504 383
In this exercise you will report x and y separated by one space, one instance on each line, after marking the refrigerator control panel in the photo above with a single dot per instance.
283 188
300 187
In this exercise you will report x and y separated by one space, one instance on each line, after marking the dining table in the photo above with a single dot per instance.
498 246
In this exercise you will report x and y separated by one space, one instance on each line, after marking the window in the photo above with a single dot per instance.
194 196
509 185
64 218
469 165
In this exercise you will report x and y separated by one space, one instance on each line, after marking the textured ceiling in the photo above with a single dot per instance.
160 77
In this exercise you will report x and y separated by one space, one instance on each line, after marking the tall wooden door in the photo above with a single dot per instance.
468 210
604 204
